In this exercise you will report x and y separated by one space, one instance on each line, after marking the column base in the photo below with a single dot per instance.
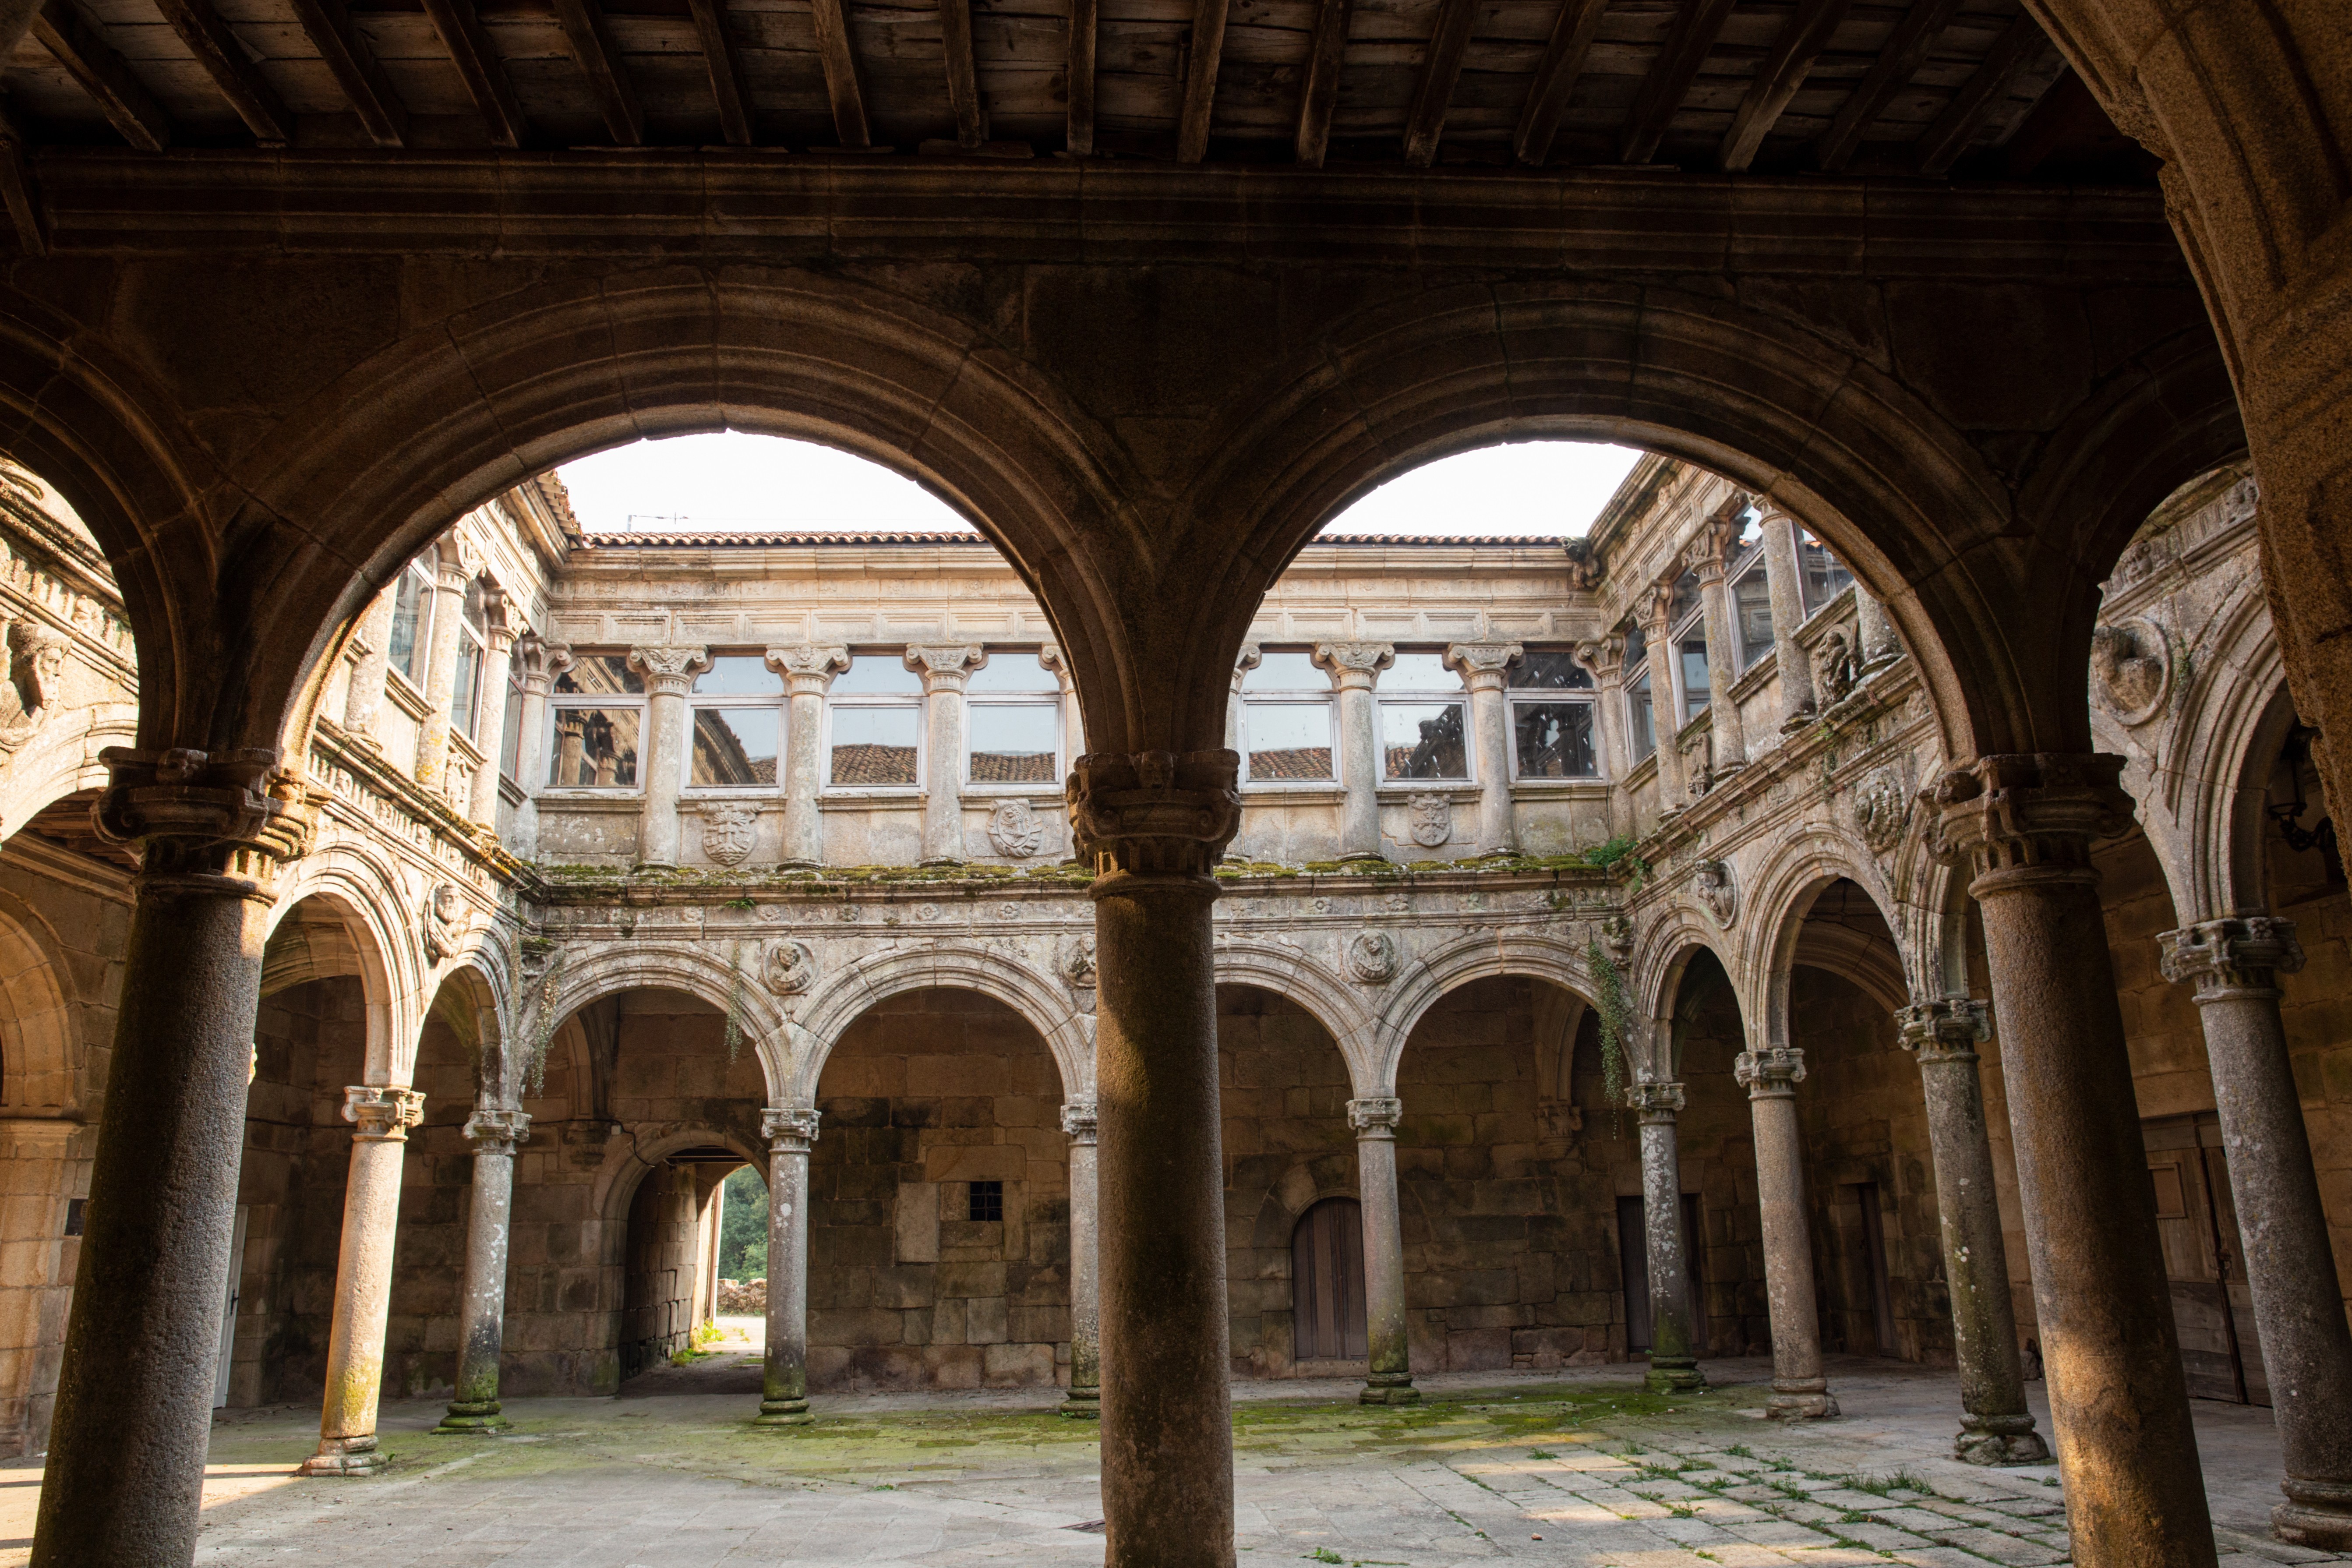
1676 1375
2316 1514
2000 1440
1082 1404
1808 1401
783 1413
472 1419
1389 1388
344 1457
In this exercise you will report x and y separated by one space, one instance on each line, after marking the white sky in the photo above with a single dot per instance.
734 481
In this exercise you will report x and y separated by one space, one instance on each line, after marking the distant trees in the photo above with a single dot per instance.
743 1227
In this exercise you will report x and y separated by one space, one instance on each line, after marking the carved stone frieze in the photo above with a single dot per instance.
1373 957
1882 808
728 831
1016 830
1432 820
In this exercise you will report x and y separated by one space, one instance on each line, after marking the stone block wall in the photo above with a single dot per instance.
659 1280
2169 1072
925 1095
2317 1011
1717 1136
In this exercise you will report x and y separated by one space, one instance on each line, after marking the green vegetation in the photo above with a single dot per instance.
743 1227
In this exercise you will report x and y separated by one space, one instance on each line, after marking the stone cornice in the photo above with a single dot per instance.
368 768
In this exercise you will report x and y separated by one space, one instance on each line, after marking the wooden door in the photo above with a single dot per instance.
2197 1225
1327 1283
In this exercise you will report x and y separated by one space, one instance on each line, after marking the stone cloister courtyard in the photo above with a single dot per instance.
1578 1467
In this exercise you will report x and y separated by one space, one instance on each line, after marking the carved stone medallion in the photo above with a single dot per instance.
1077 964
1882 804
1016 830
727 831
2131 668
1717 888
1836 670
1373 957
1432 820
446 922
788 967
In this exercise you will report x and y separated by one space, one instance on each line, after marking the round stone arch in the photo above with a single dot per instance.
1660 961
623 1170
1292 974
1042 1002
42 1058
1785 887
63 758
357 890
1535 955
471 1000
607 968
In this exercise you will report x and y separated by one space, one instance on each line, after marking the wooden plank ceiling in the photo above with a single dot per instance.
1959 89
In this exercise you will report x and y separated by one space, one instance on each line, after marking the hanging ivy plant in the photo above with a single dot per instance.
1615 1006
543 1025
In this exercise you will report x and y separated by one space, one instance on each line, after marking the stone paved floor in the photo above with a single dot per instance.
1578 1468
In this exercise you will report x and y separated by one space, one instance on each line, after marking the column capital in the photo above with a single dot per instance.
453 574
1653 1101
1710 554
237 816
499 628
1249 658
384 1114
1769 1073
537 662
1947 1029
1080 1120
494 1130
789 1129
1355 666
1604 658
670 671
1375 1117
1154 813
1483 666
808 669
946 667
1657 611
2233 956
2026 818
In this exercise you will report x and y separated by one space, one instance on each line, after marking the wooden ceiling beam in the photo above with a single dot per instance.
1424 124
964 75
841 83
1321 93
728 84
1572 33
1201 80
365 87
224 58
1907 48
92 62
1671 75
1779 75
591 37
2019 50
1084 18
480 67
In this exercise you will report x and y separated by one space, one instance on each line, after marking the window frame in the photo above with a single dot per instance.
1293 697
1804 578
1384 696
778 702
916 700
1587 697
472 643
1636 671
560 703
1751 569
421 648
1055 699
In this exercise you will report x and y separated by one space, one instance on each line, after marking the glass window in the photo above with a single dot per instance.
1424 740
510 732
1637 644
735 746
1287 671
1823 574
1287 720
1016 743
1551 671
739 675
411 624
1017 671
595 748
1553 740
1639 723
1685 600
465 682
1751 608
878 674
599 675
1419 672
876 745
1695 688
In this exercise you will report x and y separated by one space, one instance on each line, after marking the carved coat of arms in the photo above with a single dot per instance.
1432 820
727 831
1880 806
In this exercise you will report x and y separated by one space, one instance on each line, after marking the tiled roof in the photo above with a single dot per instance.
1012 767
869 764
1298 764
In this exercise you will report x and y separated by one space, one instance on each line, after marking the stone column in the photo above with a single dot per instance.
1605 658
784 1400
363 698
1800 1389
808 671
1996 1425
2282 1229
1710 557
944 671
499 640
126 1464
1484 667
482 1308
1673 1364
669 675
1084 1401
363 1278
1153 823
2023 827
1786 587
450 582
1354 668
1874 628
537 664
1667 698
1391 1379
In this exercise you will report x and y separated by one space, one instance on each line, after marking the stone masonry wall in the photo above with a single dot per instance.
1717 1133
2317 1011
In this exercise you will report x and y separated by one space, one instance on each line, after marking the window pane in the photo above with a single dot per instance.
1419 672
1825 577
1551 670
1423 741
739 675
1637 712
1554 739
412 609
734 746
598 675
1291 671
1015 671
476 607
464 713
1637 644
1686 597
595 748
1289 740
1694 689
876 745
510 733
877 673
1751 606
1016 743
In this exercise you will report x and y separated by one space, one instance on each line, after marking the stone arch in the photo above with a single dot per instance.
350 890
62 760
1291 974
1539 955
470 1001
41 1056
697 969
1661 959
617 1178
1807 861
1042 1002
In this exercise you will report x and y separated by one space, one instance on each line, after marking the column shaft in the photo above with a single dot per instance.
1874 628
482 1306
1484 669
669 675
1785 587
497 659
785 1397
1666 700
1391 1379
1673 1364
944 671
1711 558
540 663
441 666
1355 667
1800 1389
2282 1225
347 1443
1084 1401
808 672
1996 1425
1605 658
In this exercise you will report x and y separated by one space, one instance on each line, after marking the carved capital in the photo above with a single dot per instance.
1767 1073
1653 1101
1604 656
1658 613
1249 658
496 1131
1483 666
238 816
1375 1118
789 1129
2024 819
538 662
1354 666
669 671
1717 545
808 669
946 668
1165 814
2232 957
1947 1029
384 1114
1583 564
1079 1120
